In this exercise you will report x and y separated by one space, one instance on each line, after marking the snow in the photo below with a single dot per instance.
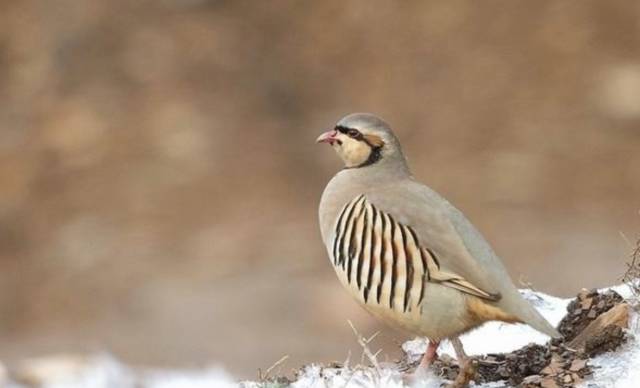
496 337
316 377
104 371
620 369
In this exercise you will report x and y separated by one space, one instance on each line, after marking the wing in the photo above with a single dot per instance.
462 258
398 244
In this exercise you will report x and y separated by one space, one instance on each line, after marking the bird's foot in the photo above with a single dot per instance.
419 376
421 373
468 370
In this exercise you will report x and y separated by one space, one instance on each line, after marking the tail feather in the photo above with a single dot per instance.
521 308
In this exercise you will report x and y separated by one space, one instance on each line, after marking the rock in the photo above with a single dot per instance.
584 309
503 371
608 340
549 382
617 316
532 380
578 365
576 378
553 368
514 367
582 295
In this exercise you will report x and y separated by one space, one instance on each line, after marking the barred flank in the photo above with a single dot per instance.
380 258
383 262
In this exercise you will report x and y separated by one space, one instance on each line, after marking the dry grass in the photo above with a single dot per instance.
364 342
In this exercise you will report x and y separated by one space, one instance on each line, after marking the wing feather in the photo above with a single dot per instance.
435 273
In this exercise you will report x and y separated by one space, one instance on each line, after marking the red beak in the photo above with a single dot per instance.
328 137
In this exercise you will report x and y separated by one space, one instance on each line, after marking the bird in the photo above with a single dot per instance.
404 252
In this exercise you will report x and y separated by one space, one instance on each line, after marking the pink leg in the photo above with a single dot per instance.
423 369
430 355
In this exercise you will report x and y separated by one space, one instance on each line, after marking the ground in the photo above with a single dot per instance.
600 349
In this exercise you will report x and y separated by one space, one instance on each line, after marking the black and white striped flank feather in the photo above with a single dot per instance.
385 261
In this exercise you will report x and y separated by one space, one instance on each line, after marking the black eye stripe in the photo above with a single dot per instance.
354 134
342 129
351 132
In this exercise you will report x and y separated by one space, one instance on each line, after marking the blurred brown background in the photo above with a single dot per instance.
159 179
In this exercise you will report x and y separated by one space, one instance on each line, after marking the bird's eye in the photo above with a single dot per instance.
353 133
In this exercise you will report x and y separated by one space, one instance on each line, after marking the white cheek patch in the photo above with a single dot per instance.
354 152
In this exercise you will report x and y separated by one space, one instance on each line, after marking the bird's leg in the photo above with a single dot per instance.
467 367
430 355
459 349
422 370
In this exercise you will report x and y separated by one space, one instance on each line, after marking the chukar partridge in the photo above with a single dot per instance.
405 253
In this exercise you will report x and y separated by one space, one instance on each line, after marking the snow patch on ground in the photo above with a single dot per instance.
104 371
317 377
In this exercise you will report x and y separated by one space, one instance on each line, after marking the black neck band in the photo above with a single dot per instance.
374 156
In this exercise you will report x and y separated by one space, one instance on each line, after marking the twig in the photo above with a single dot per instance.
271 368
624 237
488 362
348 360
632 275
365 347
